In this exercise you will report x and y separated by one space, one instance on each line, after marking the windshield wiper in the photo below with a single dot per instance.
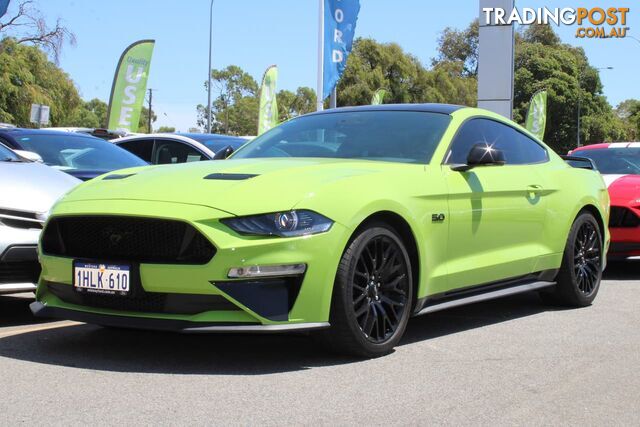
10 159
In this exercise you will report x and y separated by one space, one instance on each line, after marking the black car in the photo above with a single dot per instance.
77 154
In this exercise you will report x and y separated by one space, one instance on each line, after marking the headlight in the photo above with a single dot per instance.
282 224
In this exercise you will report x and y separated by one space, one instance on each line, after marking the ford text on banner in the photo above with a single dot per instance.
537 114
268 113
129 86
340 18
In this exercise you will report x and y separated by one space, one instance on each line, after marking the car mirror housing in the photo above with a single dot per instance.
481 154
224 153
30 155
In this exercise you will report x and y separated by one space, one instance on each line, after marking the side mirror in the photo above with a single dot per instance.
224 153
481 154
29 155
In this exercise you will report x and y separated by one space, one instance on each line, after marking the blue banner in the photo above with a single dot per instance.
4 4
340 18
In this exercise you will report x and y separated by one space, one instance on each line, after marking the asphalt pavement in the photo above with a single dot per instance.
512 361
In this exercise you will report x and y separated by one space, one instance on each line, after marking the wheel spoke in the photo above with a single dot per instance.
380 288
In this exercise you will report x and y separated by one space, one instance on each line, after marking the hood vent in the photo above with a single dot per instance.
230 176
119 176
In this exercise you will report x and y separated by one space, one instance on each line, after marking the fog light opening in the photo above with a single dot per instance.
267 271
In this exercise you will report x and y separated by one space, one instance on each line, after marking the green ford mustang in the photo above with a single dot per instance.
348 221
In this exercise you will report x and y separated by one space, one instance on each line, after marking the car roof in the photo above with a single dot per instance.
608 145
16 132
426 108
207 136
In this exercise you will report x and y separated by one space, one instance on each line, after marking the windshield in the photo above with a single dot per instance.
7 155
619 161
79 152
392 136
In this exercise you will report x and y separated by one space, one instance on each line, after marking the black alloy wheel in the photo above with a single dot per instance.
373 293
380 288
587 258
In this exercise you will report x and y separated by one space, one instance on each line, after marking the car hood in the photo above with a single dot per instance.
239 187
623 189
32 187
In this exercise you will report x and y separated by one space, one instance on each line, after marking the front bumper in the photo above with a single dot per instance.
183 326
251 309
625 242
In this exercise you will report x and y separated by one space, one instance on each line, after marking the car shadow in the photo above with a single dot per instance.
14 311
622 270
121 350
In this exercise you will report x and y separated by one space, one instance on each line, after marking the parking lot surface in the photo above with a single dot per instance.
509 361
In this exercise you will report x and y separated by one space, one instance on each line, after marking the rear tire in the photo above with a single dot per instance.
578 280
372 295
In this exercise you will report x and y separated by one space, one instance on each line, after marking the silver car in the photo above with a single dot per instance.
27 191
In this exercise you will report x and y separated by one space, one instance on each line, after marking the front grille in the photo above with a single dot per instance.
19 272
122 238
144 302
623 218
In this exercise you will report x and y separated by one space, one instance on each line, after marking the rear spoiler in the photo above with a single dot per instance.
580 162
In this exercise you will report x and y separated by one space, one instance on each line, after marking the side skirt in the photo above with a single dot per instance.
485 292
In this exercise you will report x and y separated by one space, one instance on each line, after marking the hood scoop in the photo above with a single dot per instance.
118 176
230 176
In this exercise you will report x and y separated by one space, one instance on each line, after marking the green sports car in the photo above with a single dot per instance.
347 221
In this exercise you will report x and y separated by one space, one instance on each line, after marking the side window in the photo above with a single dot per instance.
518 148
169 151
140 147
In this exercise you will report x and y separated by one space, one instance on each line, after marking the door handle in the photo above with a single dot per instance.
534 190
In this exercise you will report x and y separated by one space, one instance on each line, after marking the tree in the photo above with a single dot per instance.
460 47
27 25
291 104
629 112
235 109
166 129
143 123
26 77
374 65
542 62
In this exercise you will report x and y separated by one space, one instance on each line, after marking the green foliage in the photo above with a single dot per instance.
235 110
26 77
92 114
373 65
541 61
292 104
143 124
166 129
460 47
629 112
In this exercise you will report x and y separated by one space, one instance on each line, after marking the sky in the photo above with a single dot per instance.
257 33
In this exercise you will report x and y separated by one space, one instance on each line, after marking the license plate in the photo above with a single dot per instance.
101 278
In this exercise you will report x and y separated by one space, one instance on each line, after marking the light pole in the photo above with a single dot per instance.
580 97
209 70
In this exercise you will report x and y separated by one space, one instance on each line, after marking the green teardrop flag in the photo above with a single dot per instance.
378 97
268 113
129 86
537 114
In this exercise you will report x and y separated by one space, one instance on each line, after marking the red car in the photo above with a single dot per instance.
619 164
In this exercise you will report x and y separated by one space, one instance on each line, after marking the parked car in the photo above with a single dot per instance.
27 191
349 221
80 155
105 134
167 148
619 164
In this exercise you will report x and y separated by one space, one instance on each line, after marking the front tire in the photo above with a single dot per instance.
372 295
578 280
